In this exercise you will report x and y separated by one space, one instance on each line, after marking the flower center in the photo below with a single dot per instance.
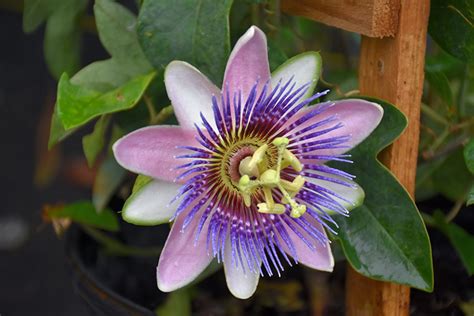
255 173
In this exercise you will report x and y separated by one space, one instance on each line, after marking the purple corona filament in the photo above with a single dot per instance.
211 190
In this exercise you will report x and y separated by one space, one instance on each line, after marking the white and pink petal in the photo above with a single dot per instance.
183 258
247 63
241 281
357 118
348 196
320 257
152 151
150 204
302 69
190 93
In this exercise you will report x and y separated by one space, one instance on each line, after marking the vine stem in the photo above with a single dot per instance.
150 107
164 114
428 219
428 111
457 206
463 92
117 248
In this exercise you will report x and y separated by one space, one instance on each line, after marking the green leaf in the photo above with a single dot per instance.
440 83
62 37
101 76
84 212
57 132
469 155
470 196
35 12
425 189
452 178
140 182
117 32
276 56
107 181
94 142
445 63
196 31
116 26
451 25
462 241
385 239
178 303
78 105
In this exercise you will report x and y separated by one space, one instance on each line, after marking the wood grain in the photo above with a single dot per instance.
392 69
374 18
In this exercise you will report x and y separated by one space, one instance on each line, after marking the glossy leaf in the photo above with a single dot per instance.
444 62
469 155
178 303
107 181
425 188
85 213
385 239
470 196
117 32
140 182
78 105
57 132
35 12
462 241
116 26
196 31
117 29
93 143
62 37
276 56
451 26
440 84
101 76
452 179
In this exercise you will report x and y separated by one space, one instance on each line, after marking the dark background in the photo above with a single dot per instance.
34 277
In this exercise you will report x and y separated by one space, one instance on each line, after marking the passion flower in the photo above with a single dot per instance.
243 176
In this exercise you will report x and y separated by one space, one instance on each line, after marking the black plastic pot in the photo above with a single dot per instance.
98 296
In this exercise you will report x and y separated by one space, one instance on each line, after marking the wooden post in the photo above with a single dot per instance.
374 18
393 69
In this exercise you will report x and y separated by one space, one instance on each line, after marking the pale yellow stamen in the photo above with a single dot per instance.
257 157
268 179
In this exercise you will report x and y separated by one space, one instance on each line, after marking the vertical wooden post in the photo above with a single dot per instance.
393 69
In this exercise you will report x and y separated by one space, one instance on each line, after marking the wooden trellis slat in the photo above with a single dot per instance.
375 18
391 68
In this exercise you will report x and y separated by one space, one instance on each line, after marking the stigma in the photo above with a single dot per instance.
256 174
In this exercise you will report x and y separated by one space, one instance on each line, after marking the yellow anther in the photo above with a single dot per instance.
298 210
290 158
281 141
276 209
270 178
294 185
